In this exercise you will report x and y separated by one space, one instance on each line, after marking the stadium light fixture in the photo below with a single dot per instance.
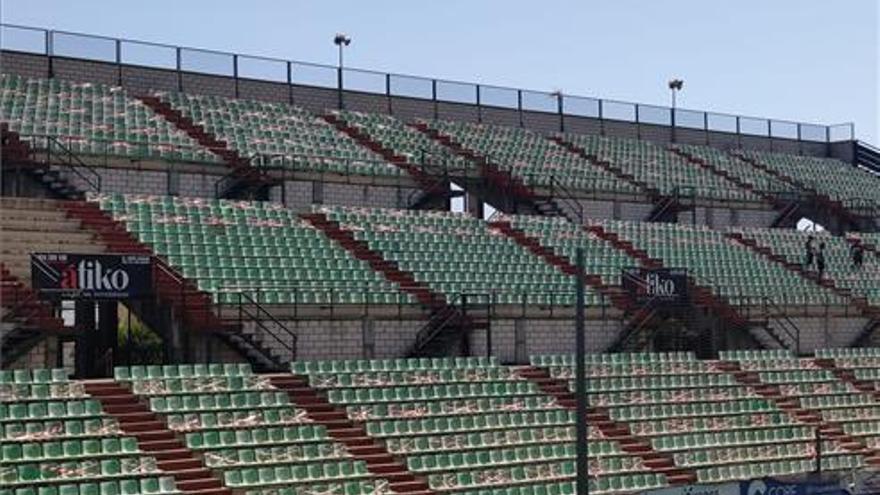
341 40
674 86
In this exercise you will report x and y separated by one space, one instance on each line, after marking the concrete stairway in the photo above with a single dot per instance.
612 430
791 405
156 439
389 269
379 461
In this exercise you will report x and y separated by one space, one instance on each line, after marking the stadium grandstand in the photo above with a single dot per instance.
217 284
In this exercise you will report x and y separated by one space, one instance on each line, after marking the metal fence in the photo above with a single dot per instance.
181 60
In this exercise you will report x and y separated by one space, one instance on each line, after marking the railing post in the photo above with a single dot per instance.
235 72
638 123
434 97
290 82
519 106
560 108
50 52
119 62
388 93
178 67
601 118
479 106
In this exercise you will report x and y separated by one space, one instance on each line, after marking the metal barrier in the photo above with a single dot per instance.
179 61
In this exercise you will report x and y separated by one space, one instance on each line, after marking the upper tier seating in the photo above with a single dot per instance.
659 167
729 269
532 158
600 257
863 282
838 180
246 429
256 247
283 135
93 119
457 254
738 168
395 135
56 440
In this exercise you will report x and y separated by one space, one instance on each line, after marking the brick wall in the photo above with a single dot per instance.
365 195
825 332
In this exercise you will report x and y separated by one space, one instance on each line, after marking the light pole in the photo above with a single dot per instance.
675 85
341 40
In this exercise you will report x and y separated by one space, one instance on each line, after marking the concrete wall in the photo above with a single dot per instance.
513 340
318 99
42 355
825 332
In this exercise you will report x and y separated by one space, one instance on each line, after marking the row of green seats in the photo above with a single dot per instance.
150 485
67 449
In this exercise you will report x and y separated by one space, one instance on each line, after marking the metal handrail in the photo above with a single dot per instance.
432 87
262 315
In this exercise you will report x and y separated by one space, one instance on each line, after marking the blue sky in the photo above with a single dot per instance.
805 60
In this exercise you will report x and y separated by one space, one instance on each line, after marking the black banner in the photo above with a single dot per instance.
91 276
656 285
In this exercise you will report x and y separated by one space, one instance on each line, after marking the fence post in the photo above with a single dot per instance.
601 118
479 106
178 65
388 93
519 106
235 72
289 82
50 49
561 110
119 62
434 97
638 123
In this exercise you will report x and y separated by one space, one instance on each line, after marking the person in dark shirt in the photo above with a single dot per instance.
858 256
808 253
820 259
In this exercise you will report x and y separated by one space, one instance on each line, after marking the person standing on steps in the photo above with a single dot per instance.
808 253
820 259
859 256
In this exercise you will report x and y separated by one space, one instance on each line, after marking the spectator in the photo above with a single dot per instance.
858 256
808 253
820 259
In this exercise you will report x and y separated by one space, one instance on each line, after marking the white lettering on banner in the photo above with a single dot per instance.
659 287
92 277
758 487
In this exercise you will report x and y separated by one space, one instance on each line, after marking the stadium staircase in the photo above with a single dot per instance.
612 430
53 166
499 187
666 208
380 462
155 438
448 324
243 181
824 204
28 226
867 156
827 430
639 318
788 209
434 191
194 307
24 319
760 329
